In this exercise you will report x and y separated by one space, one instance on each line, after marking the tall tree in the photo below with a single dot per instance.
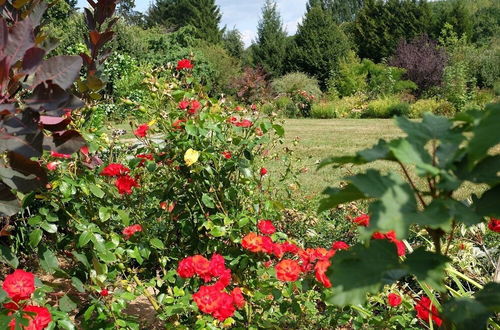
233 43
319 44
344 10
270 46
203 15
380 25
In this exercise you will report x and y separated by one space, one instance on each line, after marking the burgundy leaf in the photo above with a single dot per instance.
19 181
67 142
21 39
4 73
54 124
53 99
27 145
61 70
4 34
9 205
32 59
27 167
7 108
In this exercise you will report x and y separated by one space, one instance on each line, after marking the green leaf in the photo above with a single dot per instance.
107 256
104 213
66 324
339 161
377 152
280 131
408 153
486 134
124 216
66 304
428 267
96 191
208 201
8 257
339 196
78 284
35 237
488 205
435 215
3 295
49 227
361 270
156 243
489 296
466 313
48 261
218 231
82 258
395 201
33 221
84 238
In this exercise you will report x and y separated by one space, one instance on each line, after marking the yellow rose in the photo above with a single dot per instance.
191 156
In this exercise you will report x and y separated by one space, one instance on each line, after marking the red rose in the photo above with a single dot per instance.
142 130
184 104
194 106
225 306
114 170
184 64
266 227
394 299
494 225
104 293
207 299
339 245
131 230
423 308
227 154
239 300
59 155
177 125
201 266
19 285
125 184
263 171
52 166
287 270
185 269
320 272
84 150
39 321
252 242
217 265
245 123
232 120
362 220
267 244
290 248
391 236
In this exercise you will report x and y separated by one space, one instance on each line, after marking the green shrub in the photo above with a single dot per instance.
286 106
422 106
268 108
458 84
351 78
297 81
323 110
386 108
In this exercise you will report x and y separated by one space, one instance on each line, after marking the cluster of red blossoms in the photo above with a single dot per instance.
289 270
19 286
364 220
192 107
494 225
142 131
124 182
184 64
131 230
245 123
212 299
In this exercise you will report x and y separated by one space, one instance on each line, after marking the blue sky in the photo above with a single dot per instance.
245 14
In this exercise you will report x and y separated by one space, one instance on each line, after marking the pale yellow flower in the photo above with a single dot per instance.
191 156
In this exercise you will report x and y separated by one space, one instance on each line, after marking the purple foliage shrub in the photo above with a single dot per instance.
423 60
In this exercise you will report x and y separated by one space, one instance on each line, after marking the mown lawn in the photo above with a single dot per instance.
321 138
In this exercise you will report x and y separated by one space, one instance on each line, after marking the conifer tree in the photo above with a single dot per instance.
232 42
203 15
380 25
319 44
270 46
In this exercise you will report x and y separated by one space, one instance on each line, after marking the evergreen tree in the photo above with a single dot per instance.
233 43
380 25
319 44
269 50
344 10
204 15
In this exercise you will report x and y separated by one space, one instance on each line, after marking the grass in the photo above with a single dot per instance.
321 138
